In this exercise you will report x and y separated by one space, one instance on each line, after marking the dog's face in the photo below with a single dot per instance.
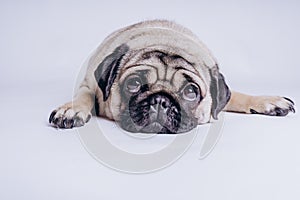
157 92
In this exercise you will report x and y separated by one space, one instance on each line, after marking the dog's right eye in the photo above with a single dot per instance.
133 85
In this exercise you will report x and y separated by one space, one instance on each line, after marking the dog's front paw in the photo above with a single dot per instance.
69 116
274 106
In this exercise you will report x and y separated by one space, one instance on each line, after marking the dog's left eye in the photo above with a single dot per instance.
190 92
133 85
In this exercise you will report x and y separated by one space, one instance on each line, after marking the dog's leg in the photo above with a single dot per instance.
75 113
266 105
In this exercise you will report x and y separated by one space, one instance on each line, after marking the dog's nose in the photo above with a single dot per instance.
159 107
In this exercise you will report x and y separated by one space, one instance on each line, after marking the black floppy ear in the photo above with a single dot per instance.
219 90
107 70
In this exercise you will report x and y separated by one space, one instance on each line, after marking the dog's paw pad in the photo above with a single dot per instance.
68 117
273 106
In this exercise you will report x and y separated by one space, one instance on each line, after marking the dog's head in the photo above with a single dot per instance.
158 77
156 91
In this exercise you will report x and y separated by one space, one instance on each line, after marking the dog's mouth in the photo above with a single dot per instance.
154 127
158 113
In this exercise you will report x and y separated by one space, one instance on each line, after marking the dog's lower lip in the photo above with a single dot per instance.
153 127
155 124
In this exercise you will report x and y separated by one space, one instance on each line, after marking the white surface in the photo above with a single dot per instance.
42 47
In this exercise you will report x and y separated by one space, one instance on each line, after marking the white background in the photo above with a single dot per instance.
42 46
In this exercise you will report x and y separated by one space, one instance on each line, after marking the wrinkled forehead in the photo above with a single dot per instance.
163 68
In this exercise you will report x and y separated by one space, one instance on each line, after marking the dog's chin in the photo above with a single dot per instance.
154 127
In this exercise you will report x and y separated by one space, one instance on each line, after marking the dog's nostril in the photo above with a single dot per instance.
164 104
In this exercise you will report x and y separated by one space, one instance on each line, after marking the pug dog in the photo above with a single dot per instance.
158 77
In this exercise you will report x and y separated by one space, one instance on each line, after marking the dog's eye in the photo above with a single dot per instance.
190 92
133 84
